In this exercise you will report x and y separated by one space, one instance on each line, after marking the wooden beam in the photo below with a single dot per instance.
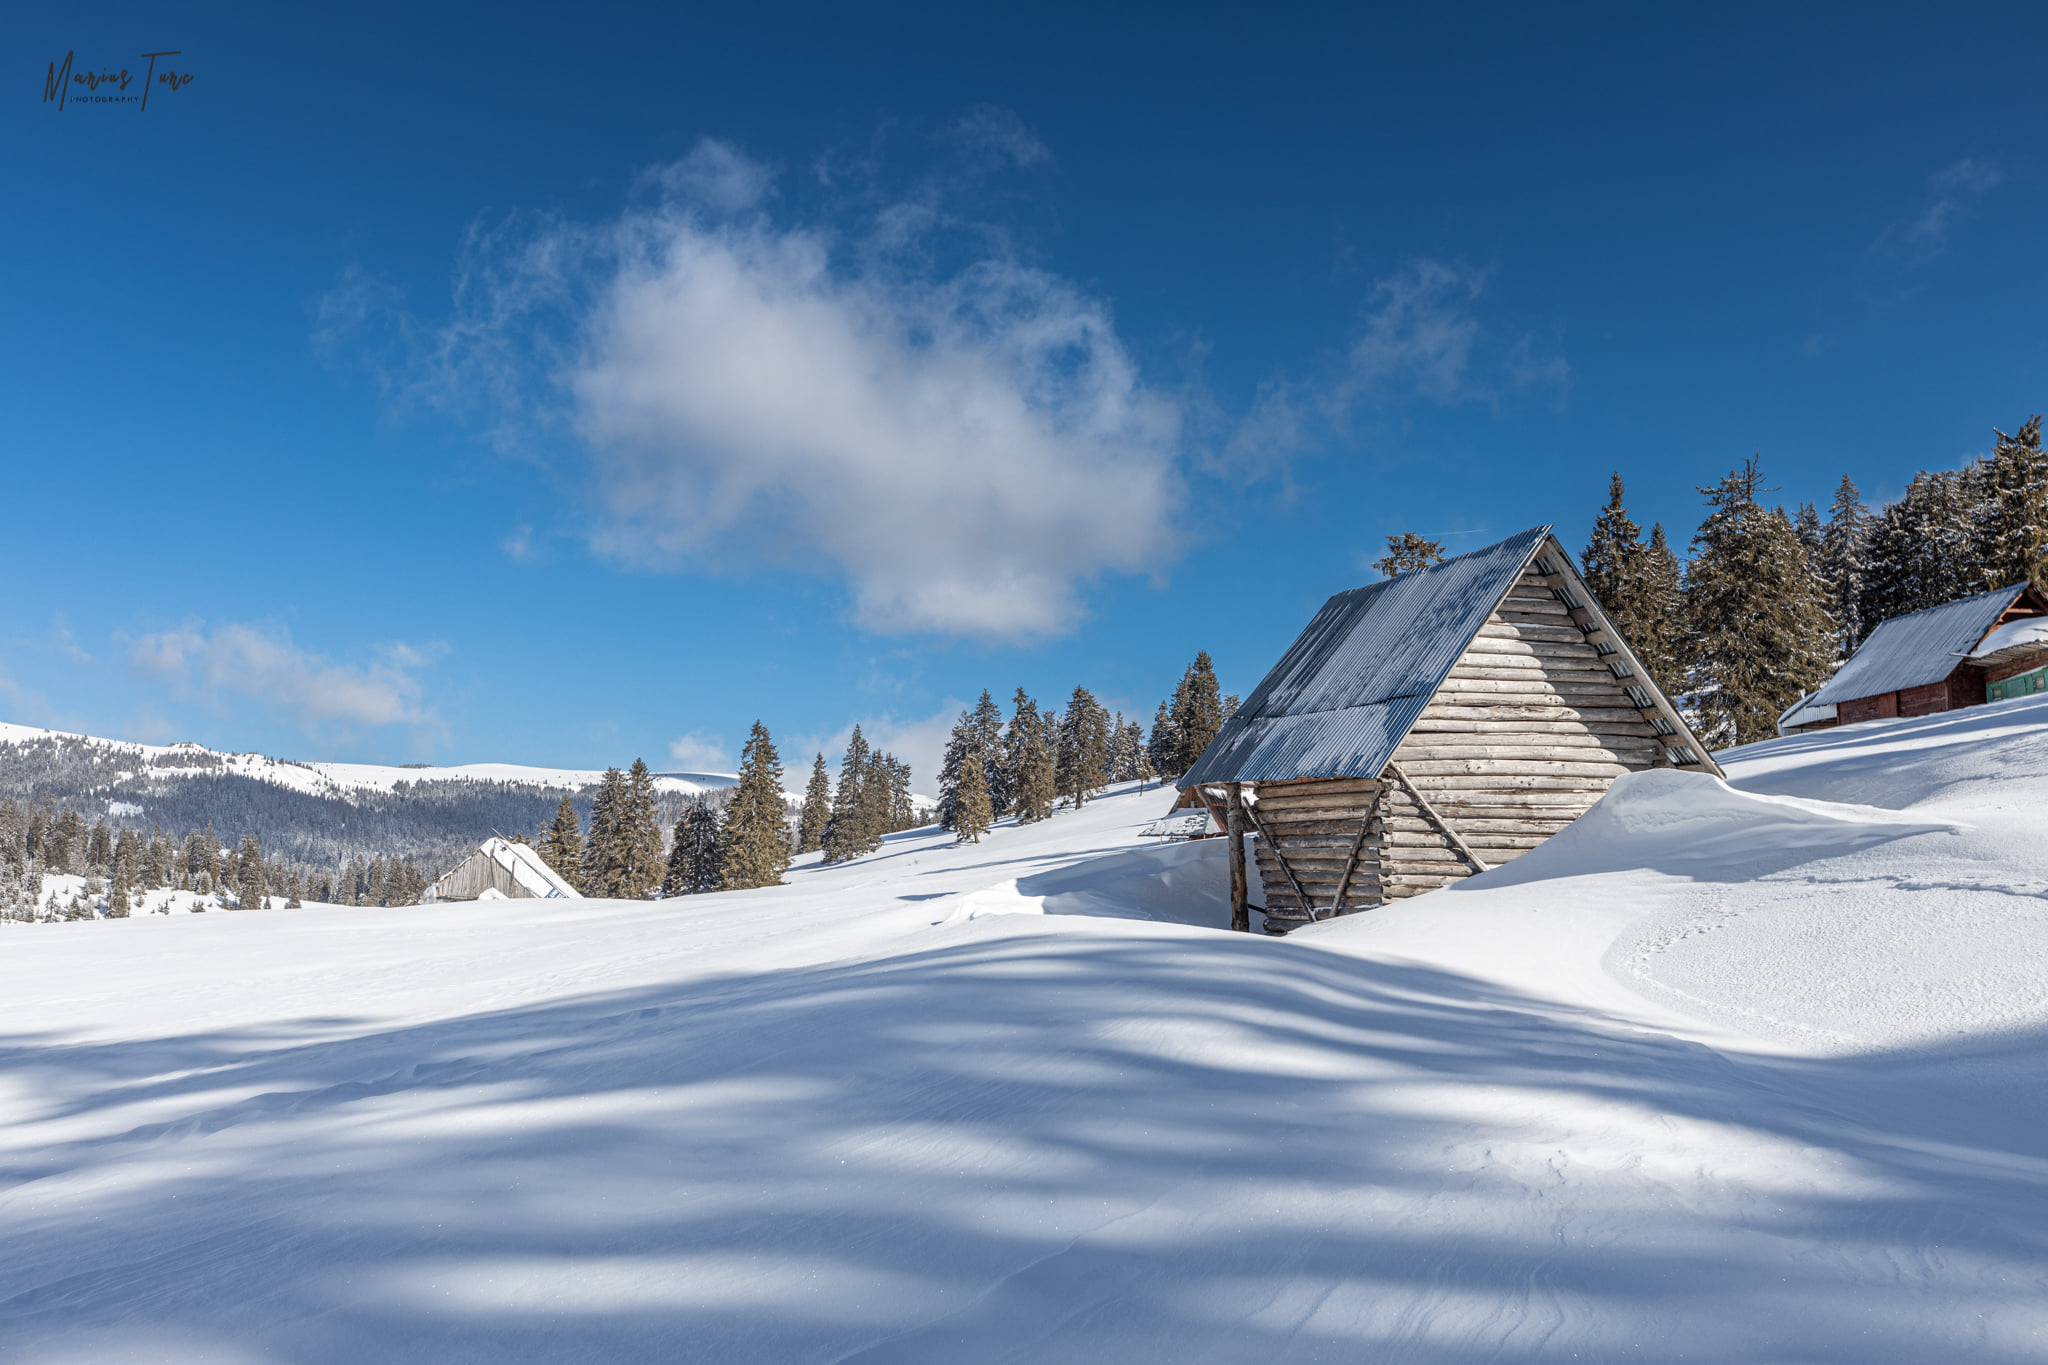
1280 858
1240 892
1441 823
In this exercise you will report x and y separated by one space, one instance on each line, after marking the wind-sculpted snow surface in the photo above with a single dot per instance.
1714 1076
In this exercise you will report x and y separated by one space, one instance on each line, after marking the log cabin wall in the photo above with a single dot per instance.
1315 827
1526 733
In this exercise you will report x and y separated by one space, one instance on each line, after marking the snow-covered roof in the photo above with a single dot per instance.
1804 712
2028 631
525 864
1919 648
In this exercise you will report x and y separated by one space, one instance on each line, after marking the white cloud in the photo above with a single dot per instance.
263 664
1952 192
919 741
697 752
1535 368
965 447
1418 334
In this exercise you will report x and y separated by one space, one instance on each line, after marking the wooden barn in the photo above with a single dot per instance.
1963 653
1432 726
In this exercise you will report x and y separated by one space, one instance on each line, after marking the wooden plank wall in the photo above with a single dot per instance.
1524 736
1316 825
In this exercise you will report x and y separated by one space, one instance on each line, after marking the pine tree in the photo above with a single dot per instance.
1083 753
1762 634
693 856
249 889
844 836
1141 755
2013 525
374 893
126 871
1037 772
292 892
755 851
1842 563
972 815
1923 549
958 745
1655 623
1611 562
1407 553
561 844
810 834
878 808
602 858
1162 746
1197 713
639 836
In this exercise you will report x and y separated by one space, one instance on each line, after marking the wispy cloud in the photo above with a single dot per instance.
697 752
919 741
235 659
966 447
1416 336
1953 192
66 643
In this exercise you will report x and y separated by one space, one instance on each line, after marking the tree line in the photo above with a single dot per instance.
1768 603
1042 760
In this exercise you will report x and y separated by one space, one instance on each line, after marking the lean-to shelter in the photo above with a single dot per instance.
1428 727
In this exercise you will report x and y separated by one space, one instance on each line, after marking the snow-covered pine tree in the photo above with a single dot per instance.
99 850
878 809
126 873
972 814
1657 630
1023 718
755 850
810 834
561 843
1037 772
958 743
1141 754
1843 542
1197 713
292 888
1122 759
2013 524
1407 553
1923 549
985 734
250 890
844 837
1162 746
1761 632
1083 754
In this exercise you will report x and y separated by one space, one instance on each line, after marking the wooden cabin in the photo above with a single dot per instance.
501 869
1962 653
1424 729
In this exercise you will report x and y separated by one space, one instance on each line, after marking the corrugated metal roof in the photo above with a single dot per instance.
1344 695
1917 649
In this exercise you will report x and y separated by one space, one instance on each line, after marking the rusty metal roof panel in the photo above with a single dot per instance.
1347 691
1919 648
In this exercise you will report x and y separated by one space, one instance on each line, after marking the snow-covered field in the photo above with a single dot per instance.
1717 1075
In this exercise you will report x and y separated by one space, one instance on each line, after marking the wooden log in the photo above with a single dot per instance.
1559 734
1538 686
1295 786
1252 814
1493 647
1504 782
1449 748
1400 774
1463 709
1240 888
1511 767
1473 828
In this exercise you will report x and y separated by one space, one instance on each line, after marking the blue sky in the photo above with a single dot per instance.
571 385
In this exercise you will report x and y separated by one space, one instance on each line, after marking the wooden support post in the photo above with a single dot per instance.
1464 849
1240 891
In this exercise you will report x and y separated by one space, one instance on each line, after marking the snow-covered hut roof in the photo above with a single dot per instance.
1805 712
1348 691
1919 648
2027 633
508 868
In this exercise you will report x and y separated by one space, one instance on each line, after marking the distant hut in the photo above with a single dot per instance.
1964 653
501 868
1432 726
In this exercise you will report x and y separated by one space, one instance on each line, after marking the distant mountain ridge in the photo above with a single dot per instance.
314 813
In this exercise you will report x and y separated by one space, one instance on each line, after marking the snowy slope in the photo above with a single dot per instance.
1720 1075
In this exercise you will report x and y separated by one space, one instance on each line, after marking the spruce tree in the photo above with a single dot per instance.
2013 524
1162 746
1842 563
292 892
639 836
844 836
1037 773
602 859
250 889
1197 713
756 844
1760 630
1923 550
561 844
1407 553
972 815
1611 562
693 855
1655 626
1083 753
958 745
810 835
